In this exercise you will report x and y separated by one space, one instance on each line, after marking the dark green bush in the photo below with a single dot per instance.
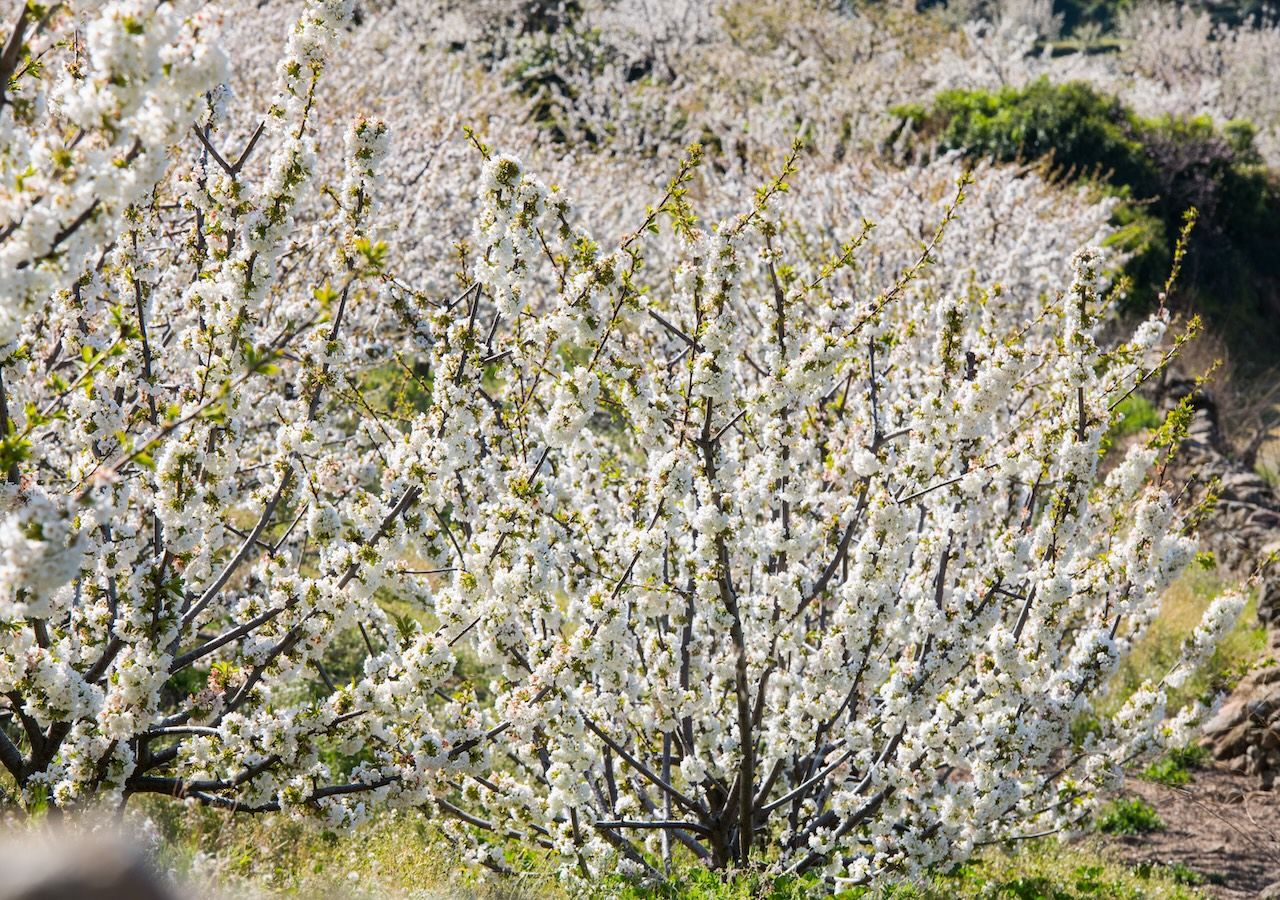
1102 13
1158 168
1105 14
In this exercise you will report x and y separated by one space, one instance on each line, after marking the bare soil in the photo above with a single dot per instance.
1222 825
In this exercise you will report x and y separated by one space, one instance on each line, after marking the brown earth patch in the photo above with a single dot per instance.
1222 825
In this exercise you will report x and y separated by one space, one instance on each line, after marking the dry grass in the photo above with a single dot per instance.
397 855
1180 612
403 856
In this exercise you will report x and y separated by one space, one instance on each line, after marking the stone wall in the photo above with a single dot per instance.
1243 532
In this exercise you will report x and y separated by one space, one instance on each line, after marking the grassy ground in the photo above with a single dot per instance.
1180 612
403 856
397 855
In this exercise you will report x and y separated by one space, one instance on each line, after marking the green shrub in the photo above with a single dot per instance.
1136 414
1174 768
1134 816
1080 127
1157 169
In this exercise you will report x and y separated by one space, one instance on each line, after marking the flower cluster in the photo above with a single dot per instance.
132 81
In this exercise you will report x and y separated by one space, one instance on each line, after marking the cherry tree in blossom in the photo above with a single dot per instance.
767 535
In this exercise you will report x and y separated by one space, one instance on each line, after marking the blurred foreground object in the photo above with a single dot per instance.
61 866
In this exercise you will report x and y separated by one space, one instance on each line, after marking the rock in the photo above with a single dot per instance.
1270 892
1245 733
1229 714
1260 710
1201 431
1269 589
1245 486
1236 741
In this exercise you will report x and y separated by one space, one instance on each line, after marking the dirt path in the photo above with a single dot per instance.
1221 825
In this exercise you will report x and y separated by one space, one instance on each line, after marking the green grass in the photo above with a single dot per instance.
1182 874
401 854
1175 767
1135 414
405 855
1047 870
1129 816
1036 870
701 884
